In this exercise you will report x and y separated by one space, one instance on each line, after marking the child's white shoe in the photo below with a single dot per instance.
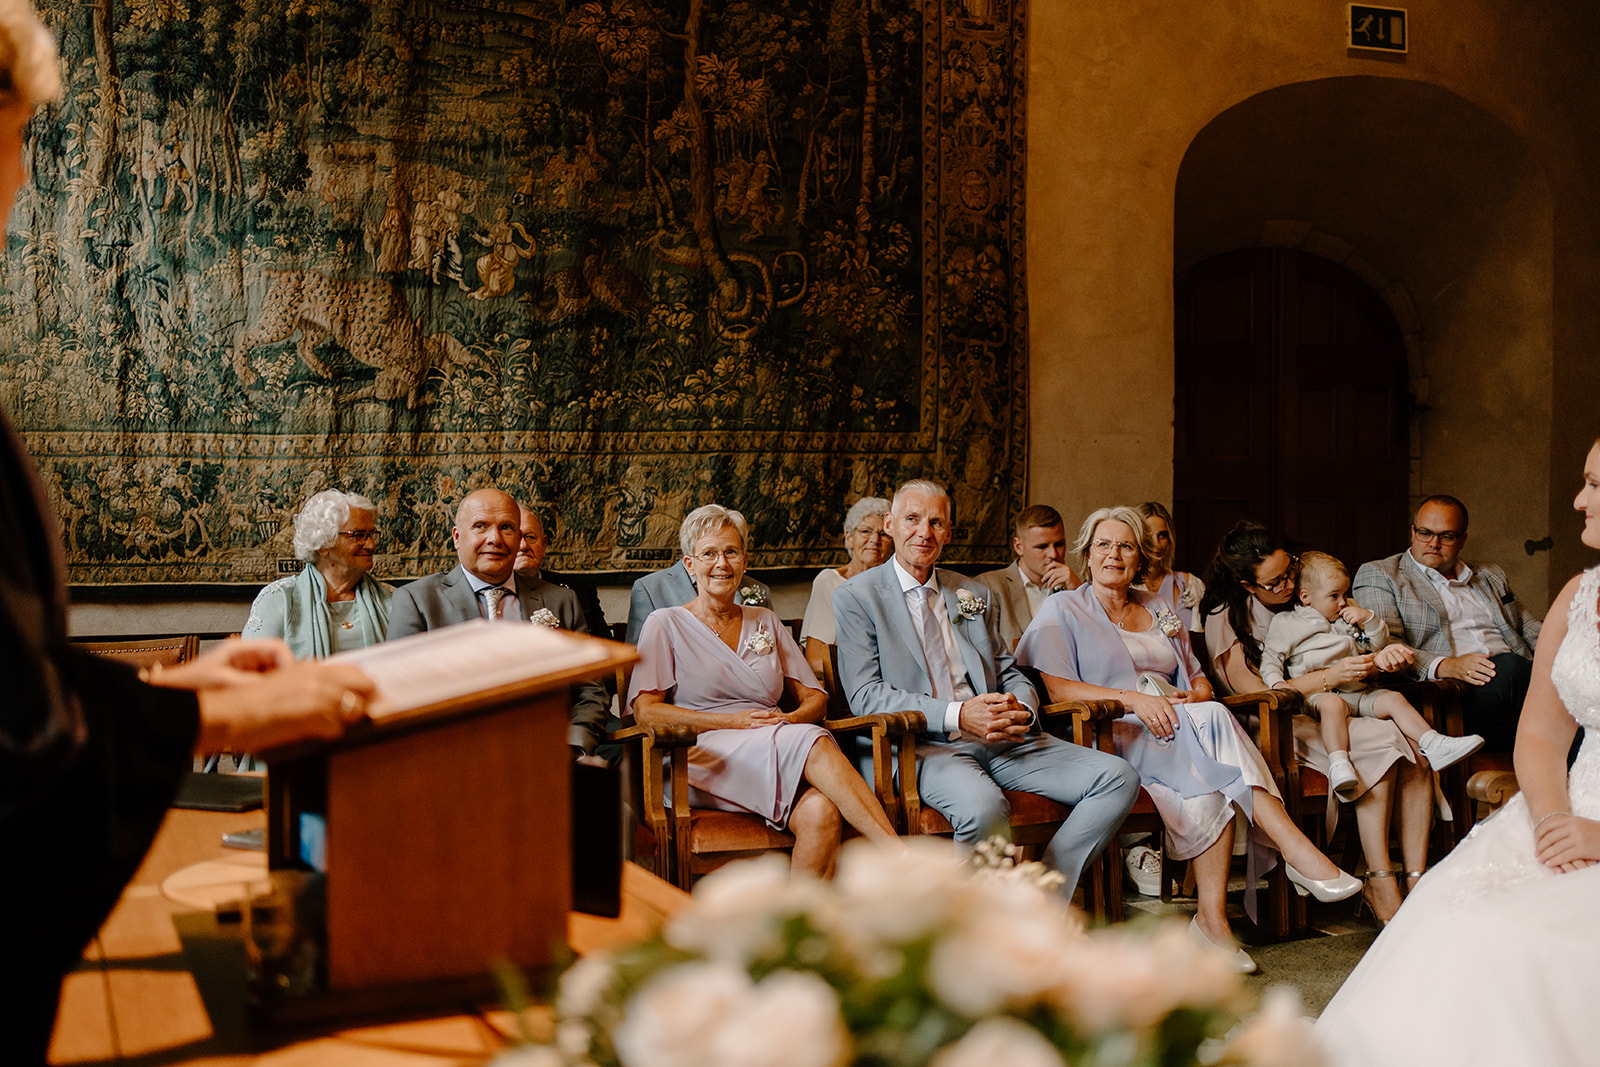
1342 776
1443 750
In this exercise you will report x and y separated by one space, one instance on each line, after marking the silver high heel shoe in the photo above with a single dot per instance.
1326 890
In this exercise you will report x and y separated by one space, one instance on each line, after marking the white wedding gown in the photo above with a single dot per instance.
1494 958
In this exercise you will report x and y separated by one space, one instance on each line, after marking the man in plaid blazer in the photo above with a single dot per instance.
1464 622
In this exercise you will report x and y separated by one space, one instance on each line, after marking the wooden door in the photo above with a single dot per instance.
1291 407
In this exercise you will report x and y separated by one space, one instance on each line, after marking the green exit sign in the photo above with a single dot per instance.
1381 29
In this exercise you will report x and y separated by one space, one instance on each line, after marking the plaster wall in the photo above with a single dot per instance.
1117 94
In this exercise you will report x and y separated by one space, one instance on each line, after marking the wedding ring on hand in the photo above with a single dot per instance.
349 704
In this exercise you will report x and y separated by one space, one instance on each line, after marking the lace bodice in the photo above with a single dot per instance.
1576 675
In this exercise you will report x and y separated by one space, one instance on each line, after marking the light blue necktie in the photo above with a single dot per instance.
933 643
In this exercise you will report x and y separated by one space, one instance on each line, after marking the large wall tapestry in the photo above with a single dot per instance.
620 257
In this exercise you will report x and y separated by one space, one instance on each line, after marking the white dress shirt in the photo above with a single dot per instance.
958 676
510 604
1471 619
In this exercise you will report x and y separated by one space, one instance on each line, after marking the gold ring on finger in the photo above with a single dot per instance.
349 703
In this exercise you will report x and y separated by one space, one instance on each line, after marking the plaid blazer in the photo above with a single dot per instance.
1414 612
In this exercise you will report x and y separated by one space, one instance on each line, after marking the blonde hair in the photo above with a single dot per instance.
30 66
1129 518
1319 566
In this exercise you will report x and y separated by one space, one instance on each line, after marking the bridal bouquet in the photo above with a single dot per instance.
908 960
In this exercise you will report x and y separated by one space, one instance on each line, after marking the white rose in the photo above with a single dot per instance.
1117 978
738 911
1000 1040
583 984
883 896
790 1019
1278 1036
673 1020
1007 949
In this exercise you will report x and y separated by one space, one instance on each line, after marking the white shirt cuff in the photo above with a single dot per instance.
952 717
1433 669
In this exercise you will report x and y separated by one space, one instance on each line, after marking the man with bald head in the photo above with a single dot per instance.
487 536
1464 621
531 551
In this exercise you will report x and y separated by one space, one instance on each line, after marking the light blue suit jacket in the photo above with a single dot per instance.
881 663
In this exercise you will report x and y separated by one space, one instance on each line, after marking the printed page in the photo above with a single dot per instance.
457 661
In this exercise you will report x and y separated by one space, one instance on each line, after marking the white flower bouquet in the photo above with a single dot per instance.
761 642
545 617
970 604
905 961
754 595
1169 623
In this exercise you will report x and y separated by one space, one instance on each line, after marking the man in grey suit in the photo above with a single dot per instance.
1039 538
1464 622
487 535
914 638
671 588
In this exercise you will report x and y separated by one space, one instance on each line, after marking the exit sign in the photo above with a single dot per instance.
1380 29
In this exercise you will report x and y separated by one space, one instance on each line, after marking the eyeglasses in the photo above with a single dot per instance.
1282 581
1121 548
359 535
1444 537
871 531
732 555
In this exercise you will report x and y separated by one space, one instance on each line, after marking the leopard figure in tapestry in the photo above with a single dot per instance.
368 317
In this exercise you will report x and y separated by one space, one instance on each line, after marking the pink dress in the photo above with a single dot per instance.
759 771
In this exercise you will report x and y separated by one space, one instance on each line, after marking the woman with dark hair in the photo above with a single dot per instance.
1251 579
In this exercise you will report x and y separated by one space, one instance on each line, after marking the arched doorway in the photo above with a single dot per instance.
1291 404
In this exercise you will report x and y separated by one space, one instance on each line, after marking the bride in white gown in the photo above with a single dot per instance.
1495 956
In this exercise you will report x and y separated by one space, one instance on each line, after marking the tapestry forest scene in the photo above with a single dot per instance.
619 258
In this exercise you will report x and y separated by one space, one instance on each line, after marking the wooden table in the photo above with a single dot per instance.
164 984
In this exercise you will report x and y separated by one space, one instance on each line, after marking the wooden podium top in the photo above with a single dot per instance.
162 983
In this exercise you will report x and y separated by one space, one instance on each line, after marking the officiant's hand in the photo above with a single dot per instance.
1567 843
312 699
995 717
230 663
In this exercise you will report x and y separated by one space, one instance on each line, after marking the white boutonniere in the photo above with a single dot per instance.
754 595
1192 592
1169 623
760 642
545 617
971 604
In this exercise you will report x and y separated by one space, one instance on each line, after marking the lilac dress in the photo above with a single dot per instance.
759 771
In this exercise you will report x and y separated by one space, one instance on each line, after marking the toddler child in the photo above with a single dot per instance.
1325 627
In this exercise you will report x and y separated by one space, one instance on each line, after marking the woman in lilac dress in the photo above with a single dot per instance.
1100 642
724 669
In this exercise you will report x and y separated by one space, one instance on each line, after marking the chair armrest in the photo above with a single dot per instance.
1083 722
894 745
657 735
1493 787
670 827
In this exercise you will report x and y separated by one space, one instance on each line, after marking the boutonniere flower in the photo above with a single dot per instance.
1192 592
754 595
1168 622
545 617
970 603
760 642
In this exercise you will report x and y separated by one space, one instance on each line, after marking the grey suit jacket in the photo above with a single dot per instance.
881 663
1415 614
1011 598
671 588
441 600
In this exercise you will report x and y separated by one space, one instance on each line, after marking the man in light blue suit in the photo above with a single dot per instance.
913 638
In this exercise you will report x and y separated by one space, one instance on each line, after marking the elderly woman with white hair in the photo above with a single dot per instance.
334 603
868 544
730 671
1109 640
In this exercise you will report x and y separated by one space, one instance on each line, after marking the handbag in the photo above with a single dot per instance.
1155 685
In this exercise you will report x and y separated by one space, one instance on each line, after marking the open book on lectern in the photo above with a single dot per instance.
427 669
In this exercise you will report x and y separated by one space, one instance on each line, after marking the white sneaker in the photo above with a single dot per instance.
1443 750
1342 776
1143 864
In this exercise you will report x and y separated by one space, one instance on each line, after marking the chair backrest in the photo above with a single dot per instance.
148 652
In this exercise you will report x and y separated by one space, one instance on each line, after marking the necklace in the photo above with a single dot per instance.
1121 617
716 628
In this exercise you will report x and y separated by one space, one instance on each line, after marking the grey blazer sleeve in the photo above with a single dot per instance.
640 605
405 617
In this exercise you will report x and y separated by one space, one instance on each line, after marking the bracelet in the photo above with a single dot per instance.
1325 679
1549 815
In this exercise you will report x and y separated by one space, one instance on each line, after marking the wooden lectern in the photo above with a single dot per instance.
447 832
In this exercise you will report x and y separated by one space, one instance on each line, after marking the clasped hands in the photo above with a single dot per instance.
995 717
1565 842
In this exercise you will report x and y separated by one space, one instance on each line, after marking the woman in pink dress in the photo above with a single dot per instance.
725 670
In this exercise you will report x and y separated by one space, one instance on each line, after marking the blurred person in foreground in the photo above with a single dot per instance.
91 753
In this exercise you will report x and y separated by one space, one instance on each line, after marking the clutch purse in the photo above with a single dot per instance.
1155 685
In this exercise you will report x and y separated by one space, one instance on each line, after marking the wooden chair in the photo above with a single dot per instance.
147 652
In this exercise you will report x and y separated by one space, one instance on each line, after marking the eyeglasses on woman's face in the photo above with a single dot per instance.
711 555
1121 548
359 535
1282 581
